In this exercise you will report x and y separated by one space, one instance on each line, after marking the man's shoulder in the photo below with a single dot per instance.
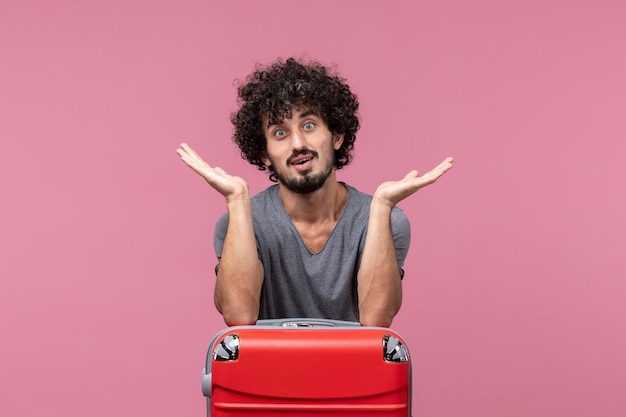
356 193
360 199
258 201
261 199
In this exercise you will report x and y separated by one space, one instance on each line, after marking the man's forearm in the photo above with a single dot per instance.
240 274
379 285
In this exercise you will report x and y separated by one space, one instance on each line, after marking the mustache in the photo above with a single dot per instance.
301 152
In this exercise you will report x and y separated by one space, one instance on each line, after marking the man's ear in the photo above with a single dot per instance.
337 140
267 161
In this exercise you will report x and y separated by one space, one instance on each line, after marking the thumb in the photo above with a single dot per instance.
411 175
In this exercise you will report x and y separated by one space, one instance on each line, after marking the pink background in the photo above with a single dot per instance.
515 283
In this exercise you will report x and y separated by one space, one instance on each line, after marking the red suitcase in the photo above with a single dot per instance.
307 367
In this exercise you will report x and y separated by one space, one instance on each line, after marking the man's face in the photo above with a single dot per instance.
301 150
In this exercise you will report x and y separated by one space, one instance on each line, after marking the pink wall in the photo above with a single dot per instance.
514 293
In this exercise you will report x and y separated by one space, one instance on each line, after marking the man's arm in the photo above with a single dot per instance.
379 285
240 274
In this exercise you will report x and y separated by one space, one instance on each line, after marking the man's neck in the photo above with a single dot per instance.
323 205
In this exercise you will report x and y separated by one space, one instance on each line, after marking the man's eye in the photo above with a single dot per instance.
309 125
280 133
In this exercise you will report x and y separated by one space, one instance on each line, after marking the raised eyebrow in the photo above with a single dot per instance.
308 113
302 115
270 124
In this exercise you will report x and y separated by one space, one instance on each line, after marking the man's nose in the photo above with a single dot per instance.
298 140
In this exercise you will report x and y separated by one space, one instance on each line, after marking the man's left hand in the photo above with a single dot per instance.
392 192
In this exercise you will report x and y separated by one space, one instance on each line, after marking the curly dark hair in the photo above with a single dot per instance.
270 93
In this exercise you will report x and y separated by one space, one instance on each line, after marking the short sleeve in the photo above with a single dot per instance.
219 234
401 229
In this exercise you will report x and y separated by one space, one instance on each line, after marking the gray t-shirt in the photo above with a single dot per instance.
298 283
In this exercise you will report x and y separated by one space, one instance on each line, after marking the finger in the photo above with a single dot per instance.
183 148
433 175
440 169
445 165
411 175
189 150
184 152
191 163
194 163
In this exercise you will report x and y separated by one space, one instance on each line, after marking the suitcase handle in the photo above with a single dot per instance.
304 322
307 324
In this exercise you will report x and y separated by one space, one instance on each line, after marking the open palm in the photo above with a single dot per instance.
392 192
230 186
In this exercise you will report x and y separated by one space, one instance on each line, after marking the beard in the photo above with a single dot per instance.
306 182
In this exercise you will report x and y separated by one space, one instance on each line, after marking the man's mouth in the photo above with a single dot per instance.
302 161
302 158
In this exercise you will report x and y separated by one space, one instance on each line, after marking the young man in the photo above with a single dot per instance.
308 246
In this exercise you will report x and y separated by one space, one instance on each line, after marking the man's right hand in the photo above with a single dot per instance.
231 187
240 276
